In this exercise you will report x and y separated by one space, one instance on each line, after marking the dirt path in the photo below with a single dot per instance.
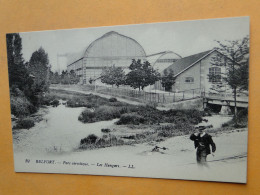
99 94
178 162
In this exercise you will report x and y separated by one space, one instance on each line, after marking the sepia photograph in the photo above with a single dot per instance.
159 100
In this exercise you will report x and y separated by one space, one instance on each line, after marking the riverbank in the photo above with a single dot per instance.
132 124
144 152
177 162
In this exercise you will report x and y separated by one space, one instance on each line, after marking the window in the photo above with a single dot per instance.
189 80
215 74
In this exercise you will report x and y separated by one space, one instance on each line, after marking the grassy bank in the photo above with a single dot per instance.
158 125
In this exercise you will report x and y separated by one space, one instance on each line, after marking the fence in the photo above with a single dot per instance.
144 96
156 97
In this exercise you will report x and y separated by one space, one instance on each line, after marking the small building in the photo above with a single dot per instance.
193 72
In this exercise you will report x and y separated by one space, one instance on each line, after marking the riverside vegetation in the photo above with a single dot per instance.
136 124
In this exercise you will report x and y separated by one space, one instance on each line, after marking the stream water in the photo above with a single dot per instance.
61 131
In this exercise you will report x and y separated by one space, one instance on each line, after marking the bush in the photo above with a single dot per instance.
107 113
24 124
105 130
20 106
175 130
75 102
183 116
112 99
87 116
93 141
131 118
55 103
102 113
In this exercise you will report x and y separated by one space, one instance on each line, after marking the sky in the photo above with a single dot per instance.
184 38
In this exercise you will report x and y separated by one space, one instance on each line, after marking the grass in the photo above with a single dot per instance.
240 122
100 114
92 141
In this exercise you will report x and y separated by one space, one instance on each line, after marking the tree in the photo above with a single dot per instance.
141 75
65 79
39 67
54 78
18 75
235 61
168 79
74 78
113 76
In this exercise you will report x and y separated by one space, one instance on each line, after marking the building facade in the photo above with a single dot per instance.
110 49
199 71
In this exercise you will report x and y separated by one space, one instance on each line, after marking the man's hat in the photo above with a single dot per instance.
201 127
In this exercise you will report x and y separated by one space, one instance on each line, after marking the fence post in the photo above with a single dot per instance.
183 95
174 97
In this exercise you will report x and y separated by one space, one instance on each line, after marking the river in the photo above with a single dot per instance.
59 131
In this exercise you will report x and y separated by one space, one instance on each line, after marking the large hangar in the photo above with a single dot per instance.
110 49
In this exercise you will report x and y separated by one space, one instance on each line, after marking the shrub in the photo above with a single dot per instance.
112 99
87 116
75 102
24 124
105 130
20 106
129 137
183 116
92 141
131 118
102 113
107 113
140 136
175 130
55 103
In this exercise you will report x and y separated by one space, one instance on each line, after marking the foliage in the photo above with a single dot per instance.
93 141
21 78
39 67
74 78
236 63
102 113
18 74
112 99
130 118
106 130
65 77
141 75
24 124
168 79
20 106
113 76
54 78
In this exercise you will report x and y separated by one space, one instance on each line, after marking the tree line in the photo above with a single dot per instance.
27 79
30 80
65 77
141 75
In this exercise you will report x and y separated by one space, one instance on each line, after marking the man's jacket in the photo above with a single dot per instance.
202 143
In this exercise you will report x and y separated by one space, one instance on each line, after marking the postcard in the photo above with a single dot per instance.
159 100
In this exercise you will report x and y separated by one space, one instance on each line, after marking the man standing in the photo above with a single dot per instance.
202 142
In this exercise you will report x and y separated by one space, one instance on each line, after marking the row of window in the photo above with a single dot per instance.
214 76
166 60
